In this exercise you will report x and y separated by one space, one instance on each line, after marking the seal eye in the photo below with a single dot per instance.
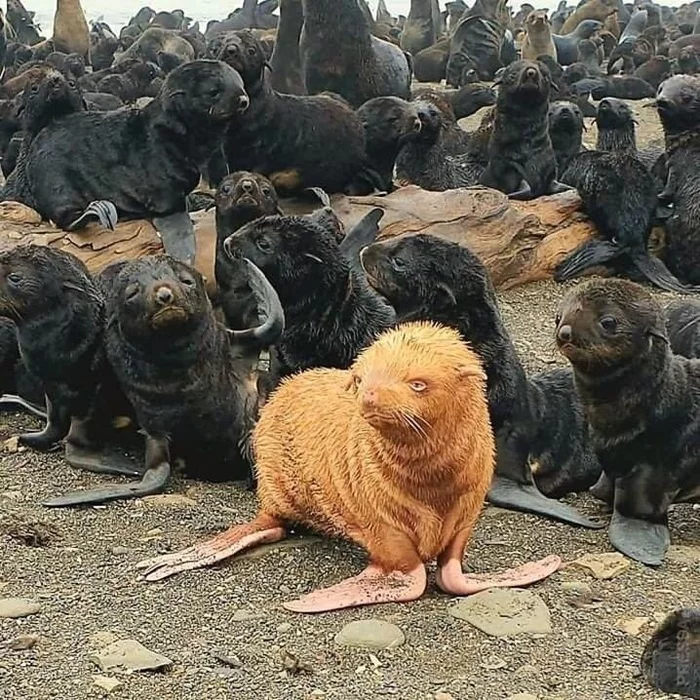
71 83
15 279
266 191
187 281
263 245
398 264
214 92
132 291
226 189
418 386
35 88
251 51
608 323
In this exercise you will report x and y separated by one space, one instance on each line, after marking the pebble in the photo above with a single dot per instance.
680 554
106 683
632 626
130 655
169 500
118 551
370 634
503 612
443 696
22 642
18 607
245 615
102 639
578 587
522 696
284 628
603 566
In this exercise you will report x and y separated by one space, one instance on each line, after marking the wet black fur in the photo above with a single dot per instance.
145 161
331 313
565 131
319 138
683 327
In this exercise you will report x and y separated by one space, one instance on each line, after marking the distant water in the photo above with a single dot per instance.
117 13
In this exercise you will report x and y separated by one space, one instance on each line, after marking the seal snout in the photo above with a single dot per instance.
243 103
164 295
565 333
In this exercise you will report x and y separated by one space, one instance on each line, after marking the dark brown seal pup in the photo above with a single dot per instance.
643 409
59 315
192 383
331 313
678 105
400 466
426 278
133 164
671 658
338 54
521 158
683 327
565 131
296 141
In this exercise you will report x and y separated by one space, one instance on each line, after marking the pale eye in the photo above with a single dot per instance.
418 386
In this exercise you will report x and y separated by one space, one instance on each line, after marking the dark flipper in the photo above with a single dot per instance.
506 493
658 274
154 481
362 235
557 187
640 540
57 426
591 253
99 462
102 211
177 233
18 401
322 195
523 194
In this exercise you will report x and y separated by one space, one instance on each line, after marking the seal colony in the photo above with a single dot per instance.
367 388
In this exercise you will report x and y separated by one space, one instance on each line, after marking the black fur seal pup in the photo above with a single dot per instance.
339 54
427 278
295 141
678 105
139 163
389 123
331 313
521 158
683 327
671 658
619 195
192 383
59 316
565 131
241 198
643 409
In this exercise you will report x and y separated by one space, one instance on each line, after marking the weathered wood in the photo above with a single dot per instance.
519 242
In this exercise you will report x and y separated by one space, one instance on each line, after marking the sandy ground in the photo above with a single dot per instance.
85 580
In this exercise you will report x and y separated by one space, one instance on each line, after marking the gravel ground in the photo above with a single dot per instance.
83 575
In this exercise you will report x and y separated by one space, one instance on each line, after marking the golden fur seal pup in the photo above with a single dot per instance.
395 454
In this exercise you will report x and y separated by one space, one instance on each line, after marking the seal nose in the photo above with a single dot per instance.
417 125
243 102
164 295
247 186
565 334
370 399
530 73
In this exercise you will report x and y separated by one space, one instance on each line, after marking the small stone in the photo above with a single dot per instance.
370 634
603 566
22 642
493 664
284 628
578 587
106 683
503 612
169 500
18 607
285 590
686 556
11 445
119 551
245 615
155 532
102 639
130 655
522 696
632 626
443 696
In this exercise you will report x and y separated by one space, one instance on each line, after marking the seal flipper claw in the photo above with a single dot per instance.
522 194
557 187
262 530
154 481
97 462
102 211
595 252
451 579
177 233
641 540
370 587
18 401
527 498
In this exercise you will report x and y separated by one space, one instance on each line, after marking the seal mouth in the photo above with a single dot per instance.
247 200
169 315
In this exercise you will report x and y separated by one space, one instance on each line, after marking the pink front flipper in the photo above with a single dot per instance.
451 579
223 546
368 588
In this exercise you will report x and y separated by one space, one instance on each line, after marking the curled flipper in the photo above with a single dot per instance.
17 401
153 481
364 233
641 540
591 253
322 195
507 493
177 233
102 211
99 462
658 274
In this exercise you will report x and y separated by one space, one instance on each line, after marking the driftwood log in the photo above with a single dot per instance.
519 242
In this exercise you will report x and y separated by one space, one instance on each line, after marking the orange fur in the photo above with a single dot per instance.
360 454
593 9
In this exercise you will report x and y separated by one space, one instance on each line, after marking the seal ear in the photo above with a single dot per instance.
268 66
471 371
351 384
446 295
